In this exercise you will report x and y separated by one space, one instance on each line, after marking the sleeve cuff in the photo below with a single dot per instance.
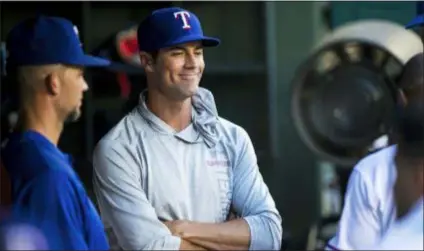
167 243
256 243
172 243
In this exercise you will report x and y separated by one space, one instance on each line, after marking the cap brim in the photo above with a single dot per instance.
417 21
92 61
210 41
206 41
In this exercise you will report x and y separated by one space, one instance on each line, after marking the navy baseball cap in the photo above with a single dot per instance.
46 40
419 19
168 27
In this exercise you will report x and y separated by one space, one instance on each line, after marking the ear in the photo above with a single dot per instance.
146 61
52 84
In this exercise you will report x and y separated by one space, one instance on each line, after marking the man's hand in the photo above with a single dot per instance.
231 235
176 227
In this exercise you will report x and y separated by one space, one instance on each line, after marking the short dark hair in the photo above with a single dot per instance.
154 54
413 72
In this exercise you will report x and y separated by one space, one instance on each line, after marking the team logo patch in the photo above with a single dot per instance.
77 33
184 16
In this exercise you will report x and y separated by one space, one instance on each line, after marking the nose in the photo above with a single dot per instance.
85 86
191 60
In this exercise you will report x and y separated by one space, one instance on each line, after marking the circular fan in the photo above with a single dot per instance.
344 94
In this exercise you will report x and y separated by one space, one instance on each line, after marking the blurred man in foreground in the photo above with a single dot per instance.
48 59
369 207
407 233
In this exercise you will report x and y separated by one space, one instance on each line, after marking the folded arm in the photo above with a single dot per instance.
124 204
231 235
259 227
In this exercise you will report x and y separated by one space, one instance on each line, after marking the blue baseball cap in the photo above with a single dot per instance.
46 40
419 19
168 27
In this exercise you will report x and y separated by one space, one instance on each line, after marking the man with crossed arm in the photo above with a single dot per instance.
168 174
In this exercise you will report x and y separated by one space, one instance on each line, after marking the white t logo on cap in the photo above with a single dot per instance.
76 30
77 33
184 16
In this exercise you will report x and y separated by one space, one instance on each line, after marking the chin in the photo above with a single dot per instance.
188 91
193 90
73 116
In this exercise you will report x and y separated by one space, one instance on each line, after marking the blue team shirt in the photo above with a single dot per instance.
46 187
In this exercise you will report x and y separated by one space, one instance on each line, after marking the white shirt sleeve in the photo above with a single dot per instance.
406 233
123 202
397 240
359 223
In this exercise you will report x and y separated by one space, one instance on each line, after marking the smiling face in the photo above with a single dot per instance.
175 72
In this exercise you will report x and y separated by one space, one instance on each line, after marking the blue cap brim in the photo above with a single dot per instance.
417 21
92 61
210 41
206 41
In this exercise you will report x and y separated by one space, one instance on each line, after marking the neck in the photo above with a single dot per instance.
176 114
41 118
